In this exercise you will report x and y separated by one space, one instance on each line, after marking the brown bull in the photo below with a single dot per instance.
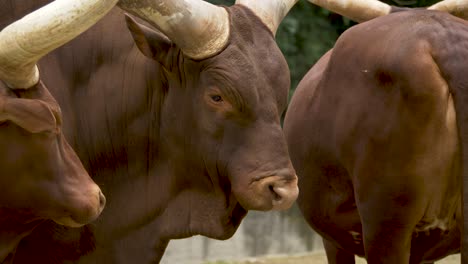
377 133
42 177
181 130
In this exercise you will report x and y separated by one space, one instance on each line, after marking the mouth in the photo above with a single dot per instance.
67 221
238 213
230 225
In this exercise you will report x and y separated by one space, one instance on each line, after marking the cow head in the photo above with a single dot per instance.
220 128
41 173
42 177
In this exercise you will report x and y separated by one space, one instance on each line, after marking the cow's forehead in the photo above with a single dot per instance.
251 62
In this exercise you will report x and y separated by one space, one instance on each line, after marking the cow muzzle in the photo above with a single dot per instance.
275 192
87 209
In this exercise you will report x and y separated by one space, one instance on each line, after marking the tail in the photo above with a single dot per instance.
451 55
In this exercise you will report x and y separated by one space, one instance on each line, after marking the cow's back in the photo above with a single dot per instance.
374 139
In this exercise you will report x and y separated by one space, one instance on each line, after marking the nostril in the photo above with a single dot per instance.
102 200
276 196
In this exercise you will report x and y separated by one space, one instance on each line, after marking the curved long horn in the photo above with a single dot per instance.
457 8
357 10
25 41
199 28
271 12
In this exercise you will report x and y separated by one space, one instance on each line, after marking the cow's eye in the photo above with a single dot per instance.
216 98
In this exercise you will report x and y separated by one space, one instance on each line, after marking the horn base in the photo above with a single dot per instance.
199 28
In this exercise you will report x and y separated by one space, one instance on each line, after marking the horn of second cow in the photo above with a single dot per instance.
454 7
357 10
25 41
271 12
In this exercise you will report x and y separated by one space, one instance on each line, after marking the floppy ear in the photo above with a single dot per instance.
31 114
152 43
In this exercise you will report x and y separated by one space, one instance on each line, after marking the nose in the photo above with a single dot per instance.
89 206
95 206
85 208
283 191
102 202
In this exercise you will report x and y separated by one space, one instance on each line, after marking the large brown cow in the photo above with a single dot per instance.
42 177
376 130
181 131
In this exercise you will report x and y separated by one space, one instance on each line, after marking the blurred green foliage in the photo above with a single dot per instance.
308 31
306 34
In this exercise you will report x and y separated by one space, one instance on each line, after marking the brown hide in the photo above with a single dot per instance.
42 177
173 160
10 11
375 131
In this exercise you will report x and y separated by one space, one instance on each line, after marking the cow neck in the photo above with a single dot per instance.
15 225
112 101
11 10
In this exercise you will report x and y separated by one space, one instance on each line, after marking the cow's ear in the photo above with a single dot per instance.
31 114
152 43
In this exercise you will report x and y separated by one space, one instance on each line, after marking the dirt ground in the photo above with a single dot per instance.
313 258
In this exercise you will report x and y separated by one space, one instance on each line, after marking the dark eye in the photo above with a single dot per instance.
216 98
